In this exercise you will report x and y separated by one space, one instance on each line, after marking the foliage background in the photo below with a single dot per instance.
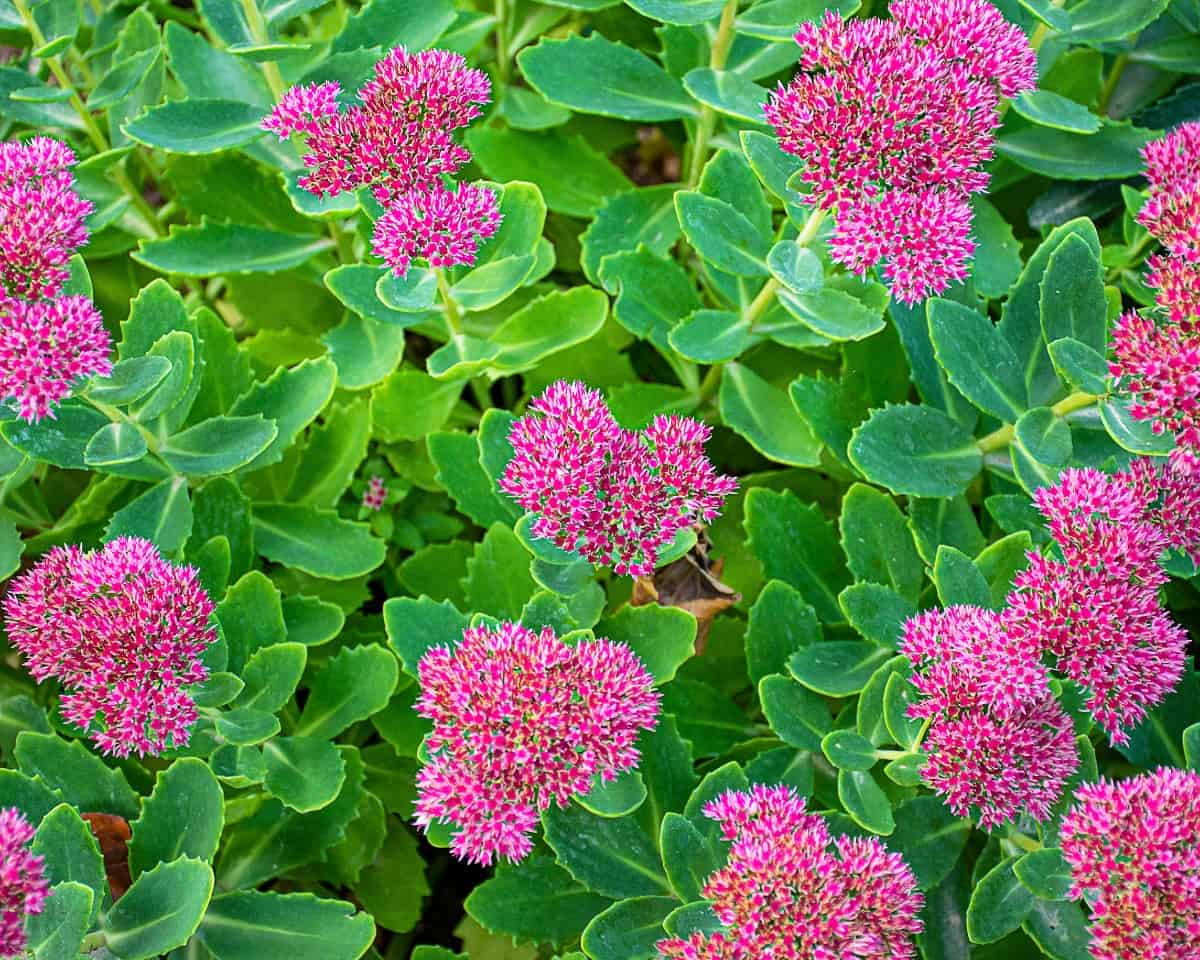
886 455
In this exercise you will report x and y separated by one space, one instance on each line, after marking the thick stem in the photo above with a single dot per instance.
258 31
502 64
759 305
999 439
1023 842
449 308
708 116
1110 83
712 380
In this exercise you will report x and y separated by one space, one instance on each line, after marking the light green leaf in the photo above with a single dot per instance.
318 542
160 911
198 126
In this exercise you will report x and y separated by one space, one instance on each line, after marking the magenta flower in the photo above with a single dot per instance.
1159 363
123 631
790 890
1134 851
1171 490
398 138
46 347
42 219
1177 282
1172 211
443 227
894 121
998 742
521 720
23 884
610 494
375 494
1097 610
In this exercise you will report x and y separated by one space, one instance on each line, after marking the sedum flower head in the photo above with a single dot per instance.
1159 363
1134 851
1170 489
46 346
790 890
375 494
615 496
122 630
1097 610
439 225
42 218
521 720
23 884
894 121
1172 211
998 742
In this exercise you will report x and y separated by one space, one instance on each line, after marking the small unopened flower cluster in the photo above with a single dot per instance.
998 741
790 890
521 720
895 120
1157 358
123 631
1134 852
375 494
47 341
398 142
23 883
613 495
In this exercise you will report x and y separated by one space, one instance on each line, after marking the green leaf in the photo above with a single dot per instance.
352 686
547 325
160 911
179 347
628 930
666 769
834 314
498 582
292 397
81 776
977 359
958 580
663 637
130 380
57 932
304 773
382 296
847 750
1073 303
707 718
461 474
1191 746
60 441
332 454
727 92
271 676
1096 20
878 544
796 267
1082 367
113 444
997 262
212 249
251 618
798 716
393 886
930 837
245 726
163 515
197 126
29 795
252 925
609 856
1136 436
70 854
898 696
627 221
1041 448
1113 152
1059 929
797 545
218 445
1049 109
766 418
721 234
999 904
414 626
865 801
1045 873
318 542
680 12
616 799
534 900
837 668
781 623
184 816
916 450
687 856
870 718
595 75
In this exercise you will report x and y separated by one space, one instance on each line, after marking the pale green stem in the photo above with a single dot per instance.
758 306
258 31
708 116
999 439
1110 84
1020 840
502 65
449 307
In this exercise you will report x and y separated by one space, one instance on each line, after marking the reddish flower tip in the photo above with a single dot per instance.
1134 851
789 889
23 883
612 495
123 631
522 720
375 494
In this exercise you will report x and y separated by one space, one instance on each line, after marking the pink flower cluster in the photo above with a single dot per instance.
612 495
894 120
789 890
123 631
47 341
398 142
1097 610
998 742
375 494
23 884
521 720
1134 852
1158 358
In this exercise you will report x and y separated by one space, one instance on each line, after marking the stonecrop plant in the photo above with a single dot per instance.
600 479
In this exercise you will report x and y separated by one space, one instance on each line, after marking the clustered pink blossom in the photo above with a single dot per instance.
1157 357
998 742
895 120
1097 609
48 342
398 141
614 496
1134 851
521 720
375 494
790 890
122 630
23 883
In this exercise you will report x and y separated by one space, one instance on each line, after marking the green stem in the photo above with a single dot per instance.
502 64
890 754
258 31
345 246
1023 842
708 116
449 307
999 439
93 941
712 380
117 416
759 305
1110 84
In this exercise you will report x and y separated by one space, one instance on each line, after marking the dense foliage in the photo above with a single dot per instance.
600 479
